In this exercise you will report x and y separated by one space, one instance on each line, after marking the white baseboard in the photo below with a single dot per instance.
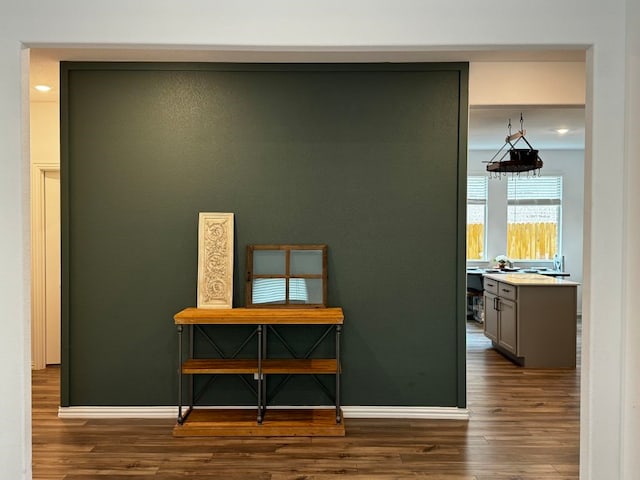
442 413
117 412
353 411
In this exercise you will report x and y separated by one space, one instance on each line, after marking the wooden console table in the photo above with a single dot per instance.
194 421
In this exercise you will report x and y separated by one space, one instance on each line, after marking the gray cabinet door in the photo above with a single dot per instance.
490 316
508 326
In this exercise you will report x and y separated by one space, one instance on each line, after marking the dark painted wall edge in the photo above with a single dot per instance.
461 275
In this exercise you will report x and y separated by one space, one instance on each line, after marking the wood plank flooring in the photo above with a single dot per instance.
524 425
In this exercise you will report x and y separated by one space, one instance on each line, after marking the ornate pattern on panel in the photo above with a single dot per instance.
215 268
215 260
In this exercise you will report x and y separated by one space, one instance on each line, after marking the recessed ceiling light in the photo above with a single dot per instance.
562 131
42 88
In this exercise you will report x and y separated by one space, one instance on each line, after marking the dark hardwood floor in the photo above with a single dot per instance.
523 425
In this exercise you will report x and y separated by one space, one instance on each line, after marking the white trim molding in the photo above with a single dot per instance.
421 413
117 412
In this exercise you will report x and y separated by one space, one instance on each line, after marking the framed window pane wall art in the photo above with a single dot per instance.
286 276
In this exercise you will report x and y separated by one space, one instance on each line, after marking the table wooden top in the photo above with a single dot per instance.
263 316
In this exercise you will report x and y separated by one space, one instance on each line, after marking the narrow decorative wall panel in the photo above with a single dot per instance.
215 260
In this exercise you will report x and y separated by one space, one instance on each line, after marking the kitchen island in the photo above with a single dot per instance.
532 318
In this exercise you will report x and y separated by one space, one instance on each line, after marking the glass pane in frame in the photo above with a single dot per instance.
269 262
306 262
268 291
306 291
533 231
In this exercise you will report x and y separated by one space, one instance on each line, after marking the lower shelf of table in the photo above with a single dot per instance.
276 423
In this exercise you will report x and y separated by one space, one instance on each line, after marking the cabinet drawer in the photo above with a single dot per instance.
491 286
507 291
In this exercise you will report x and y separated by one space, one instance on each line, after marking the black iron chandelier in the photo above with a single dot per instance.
520 159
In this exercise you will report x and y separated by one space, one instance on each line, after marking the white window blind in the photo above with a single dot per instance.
476 217
477 190
534 190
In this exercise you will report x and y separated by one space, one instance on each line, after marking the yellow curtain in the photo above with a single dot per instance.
475 241
531 240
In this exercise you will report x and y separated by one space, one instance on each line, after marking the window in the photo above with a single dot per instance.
476 217
533 217
286 276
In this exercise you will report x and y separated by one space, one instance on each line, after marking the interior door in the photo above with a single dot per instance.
52 266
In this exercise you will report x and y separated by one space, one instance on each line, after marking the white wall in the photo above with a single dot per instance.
45 132
631 253
378 29
569 164
526 83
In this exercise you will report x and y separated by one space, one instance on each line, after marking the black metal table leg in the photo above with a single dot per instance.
180 328
191 381
263 378
338 368
260 405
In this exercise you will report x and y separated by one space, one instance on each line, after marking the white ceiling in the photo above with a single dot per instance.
487 125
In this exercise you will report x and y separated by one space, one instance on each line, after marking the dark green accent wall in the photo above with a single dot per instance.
369 159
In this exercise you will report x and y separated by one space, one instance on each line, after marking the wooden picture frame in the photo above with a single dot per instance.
286 276
215 260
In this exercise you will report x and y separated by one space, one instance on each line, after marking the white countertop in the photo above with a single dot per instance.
532 279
